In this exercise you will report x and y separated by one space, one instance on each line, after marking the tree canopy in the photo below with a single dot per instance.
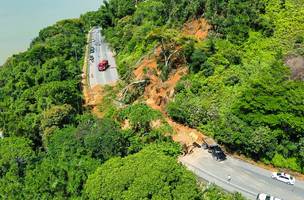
149 174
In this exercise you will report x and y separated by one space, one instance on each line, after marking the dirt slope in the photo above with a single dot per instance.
198 28
158 93
93 97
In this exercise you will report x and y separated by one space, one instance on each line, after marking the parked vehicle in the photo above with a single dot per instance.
92 50
281 176
103 65
263 196
91 58
217 152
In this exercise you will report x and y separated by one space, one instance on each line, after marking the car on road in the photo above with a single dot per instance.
92 50
281 176
216 152
103 65
91 58
263 196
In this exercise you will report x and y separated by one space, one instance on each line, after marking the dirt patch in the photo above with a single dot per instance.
296 64
146 68
156 124
93 97
184 134
125 125
198 28
158 93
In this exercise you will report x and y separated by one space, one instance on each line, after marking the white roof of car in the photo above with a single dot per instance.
284 174
263 196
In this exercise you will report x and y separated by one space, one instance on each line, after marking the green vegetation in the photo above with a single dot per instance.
127 28
51 145
238 90
133 178
42 83
16 154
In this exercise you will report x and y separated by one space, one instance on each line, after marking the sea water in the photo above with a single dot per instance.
21 20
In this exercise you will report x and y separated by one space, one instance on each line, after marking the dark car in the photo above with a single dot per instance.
217 152
92 50
91 58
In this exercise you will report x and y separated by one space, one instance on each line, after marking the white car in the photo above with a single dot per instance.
281 176
263 196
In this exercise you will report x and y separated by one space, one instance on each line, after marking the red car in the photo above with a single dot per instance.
103 65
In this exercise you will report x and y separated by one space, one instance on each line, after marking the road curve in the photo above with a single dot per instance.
102 51
247 179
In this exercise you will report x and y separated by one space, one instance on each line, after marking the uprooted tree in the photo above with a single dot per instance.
169 41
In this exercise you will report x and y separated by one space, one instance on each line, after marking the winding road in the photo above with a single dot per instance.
102 51
246 178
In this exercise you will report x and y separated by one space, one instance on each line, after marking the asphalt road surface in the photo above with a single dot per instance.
102 51
245 178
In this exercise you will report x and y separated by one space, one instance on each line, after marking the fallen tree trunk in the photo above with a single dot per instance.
126 89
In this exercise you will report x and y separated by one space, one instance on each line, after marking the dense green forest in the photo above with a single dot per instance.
238 90
54 149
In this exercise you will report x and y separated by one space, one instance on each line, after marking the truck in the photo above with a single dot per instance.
103 65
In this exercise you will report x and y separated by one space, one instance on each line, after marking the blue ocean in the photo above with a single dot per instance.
21 20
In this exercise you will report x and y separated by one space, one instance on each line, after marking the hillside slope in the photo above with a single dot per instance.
239 89
53 148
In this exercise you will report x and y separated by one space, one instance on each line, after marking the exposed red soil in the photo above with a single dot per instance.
93 97
158 93
198 28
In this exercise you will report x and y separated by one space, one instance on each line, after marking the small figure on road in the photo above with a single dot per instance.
229 178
